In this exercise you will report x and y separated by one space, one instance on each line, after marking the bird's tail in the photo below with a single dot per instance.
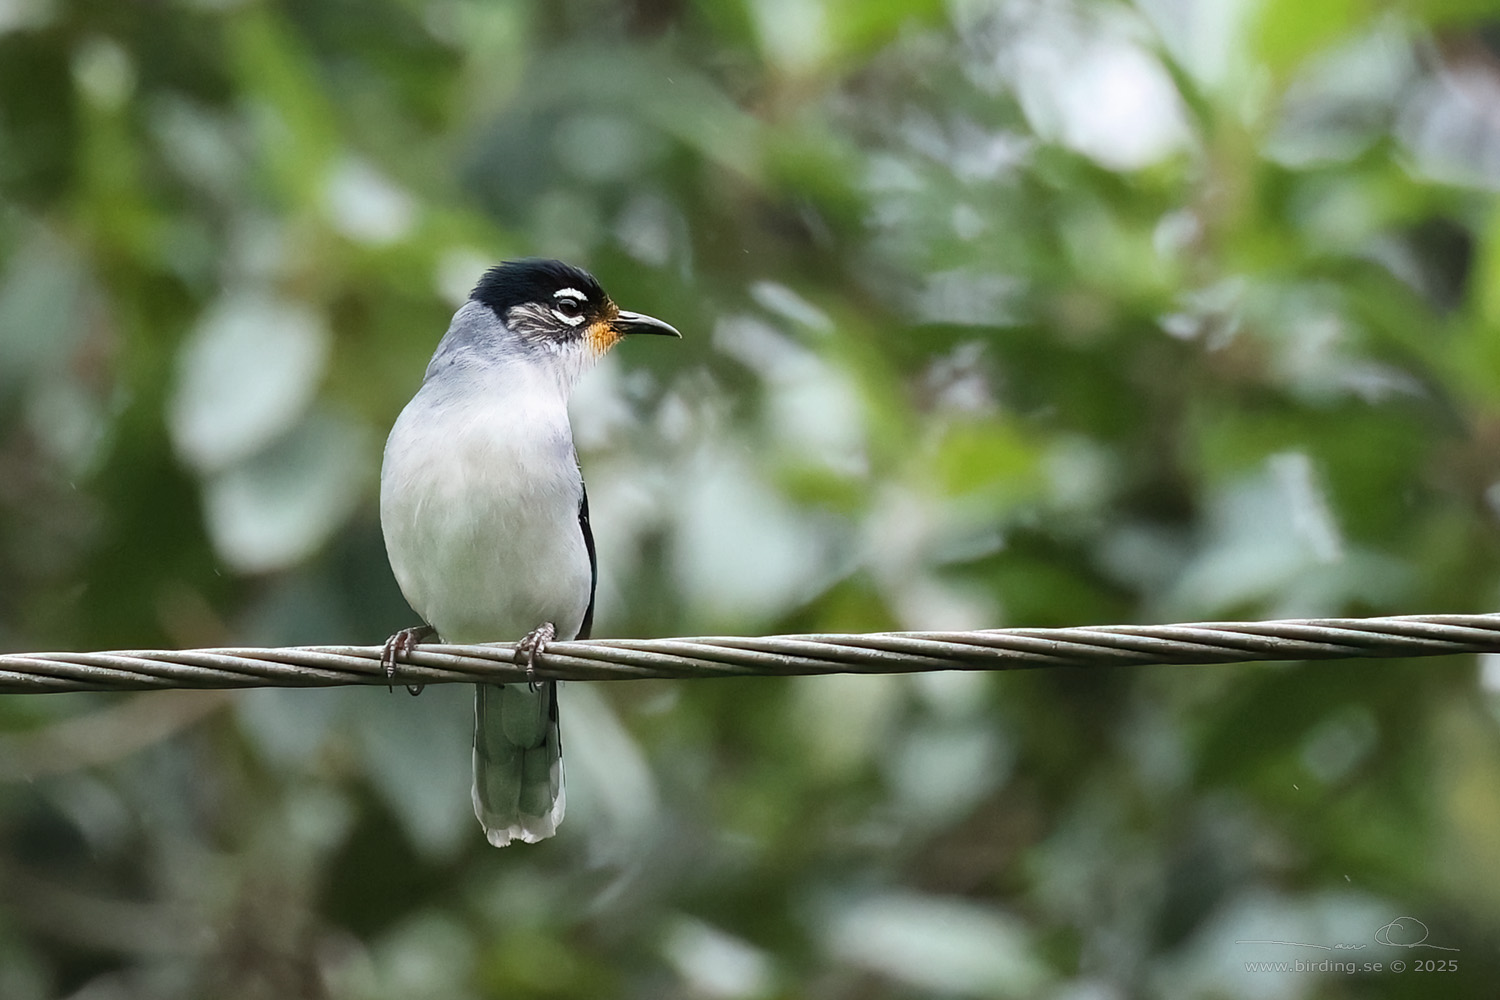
518 777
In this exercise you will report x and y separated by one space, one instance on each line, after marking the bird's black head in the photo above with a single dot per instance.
571 291
550 301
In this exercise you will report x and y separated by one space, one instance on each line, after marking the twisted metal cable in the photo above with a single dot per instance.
780 655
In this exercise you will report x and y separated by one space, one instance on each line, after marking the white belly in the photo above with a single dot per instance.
480 515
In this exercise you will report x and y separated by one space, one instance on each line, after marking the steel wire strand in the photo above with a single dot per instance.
739 656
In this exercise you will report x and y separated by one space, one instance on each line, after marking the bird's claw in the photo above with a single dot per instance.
532 645
398 646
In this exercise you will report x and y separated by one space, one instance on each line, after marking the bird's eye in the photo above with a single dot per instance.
567 305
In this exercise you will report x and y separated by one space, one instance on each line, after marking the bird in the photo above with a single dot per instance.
486 519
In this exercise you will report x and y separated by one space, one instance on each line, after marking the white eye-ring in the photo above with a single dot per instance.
568 306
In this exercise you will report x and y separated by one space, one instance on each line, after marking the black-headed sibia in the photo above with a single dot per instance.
485 516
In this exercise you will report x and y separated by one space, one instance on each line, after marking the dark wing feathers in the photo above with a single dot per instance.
588 542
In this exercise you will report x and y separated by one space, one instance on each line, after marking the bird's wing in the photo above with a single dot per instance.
588 543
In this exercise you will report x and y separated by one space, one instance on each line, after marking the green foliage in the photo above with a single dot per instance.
996 313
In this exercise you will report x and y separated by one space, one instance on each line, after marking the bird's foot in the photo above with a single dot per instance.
530 647
398 646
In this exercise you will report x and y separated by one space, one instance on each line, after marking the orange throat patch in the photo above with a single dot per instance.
602 335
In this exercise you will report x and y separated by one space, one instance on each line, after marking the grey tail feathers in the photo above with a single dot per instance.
518 778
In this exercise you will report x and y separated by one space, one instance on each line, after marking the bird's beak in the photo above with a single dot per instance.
628 323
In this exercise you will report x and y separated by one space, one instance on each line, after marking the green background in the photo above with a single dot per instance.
995 313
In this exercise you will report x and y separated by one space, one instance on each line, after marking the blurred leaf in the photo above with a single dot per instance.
950 946
991 457
1288 31
245 376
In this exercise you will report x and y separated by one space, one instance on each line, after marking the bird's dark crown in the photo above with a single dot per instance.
534 280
